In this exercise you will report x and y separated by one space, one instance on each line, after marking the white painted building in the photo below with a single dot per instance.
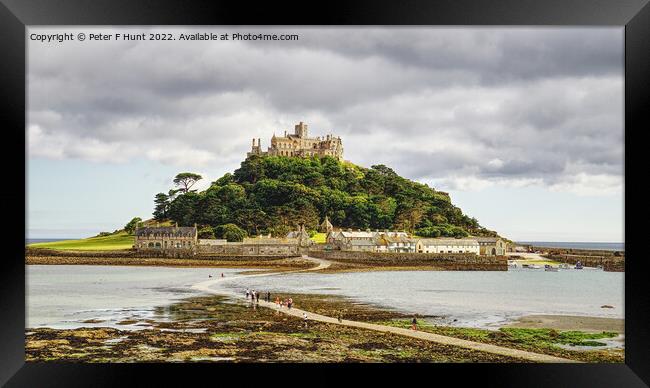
397 244
448 245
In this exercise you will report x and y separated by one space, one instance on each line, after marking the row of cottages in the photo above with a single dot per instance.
173 238
369 241
401 242
252 246
448 245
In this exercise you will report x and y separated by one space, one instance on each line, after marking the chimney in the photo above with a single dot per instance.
253 142
285 133
259 143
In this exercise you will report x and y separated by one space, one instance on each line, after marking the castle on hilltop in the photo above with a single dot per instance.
300 144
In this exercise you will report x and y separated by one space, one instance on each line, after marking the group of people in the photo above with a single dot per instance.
279 302
286 302
254 296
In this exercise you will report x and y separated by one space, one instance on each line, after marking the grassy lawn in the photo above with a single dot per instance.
546 341
546 337
319 238
116 241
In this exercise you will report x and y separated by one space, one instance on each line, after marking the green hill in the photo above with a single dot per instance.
120 240
273 194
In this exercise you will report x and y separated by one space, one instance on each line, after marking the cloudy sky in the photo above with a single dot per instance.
523 127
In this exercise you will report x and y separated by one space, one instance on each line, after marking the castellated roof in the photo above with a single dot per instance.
175 231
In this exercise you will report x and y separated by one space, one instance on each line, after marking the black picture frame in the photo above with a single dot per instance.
15 15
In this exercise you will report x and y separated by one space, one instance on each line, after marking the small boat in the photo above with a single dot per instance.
578 265
564 266
549 268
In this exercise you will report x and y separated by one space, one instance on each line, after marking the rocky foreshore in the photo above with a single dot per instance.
214 329
210 329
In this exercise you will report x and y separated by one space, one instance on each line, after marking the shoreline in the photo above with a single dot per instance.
265 265
222 329
297 265
510 343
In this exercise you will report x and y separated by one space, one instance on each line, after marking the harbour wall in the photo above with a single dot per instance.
154 254
442 261
583 252
612 261
609 263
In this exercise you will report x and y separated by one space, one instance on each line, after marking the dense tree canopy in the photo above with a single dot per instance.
273 194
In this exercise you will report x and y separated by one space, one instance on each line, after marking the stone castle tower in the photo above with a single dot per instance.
299 144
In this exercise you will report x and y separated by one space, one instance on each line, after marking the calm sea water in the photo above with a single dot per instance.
607 246
466 298
65 296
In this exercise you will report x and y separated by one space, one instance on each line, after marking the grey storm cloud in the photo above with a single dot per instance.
493 104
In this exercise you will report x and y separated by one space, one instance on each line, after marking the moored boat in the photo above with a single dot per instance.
578 265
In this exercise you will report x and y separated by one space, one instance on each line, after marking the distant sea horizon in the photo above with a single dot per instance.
606 246
44 240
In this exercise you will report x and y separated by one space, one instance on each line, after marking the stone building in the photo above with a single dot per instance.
301 235
300 144
270 246
258 246
360 246
326 226
448 245
344 238
166 238
492 246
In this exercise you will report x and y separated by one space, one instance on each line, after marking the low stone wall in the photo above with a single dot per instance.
181 254
443 261
579 252
249 249
74 253
609 263
204 256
